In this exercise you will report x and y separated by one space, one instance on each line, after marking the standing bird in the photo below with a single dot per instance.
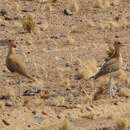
112 63
13 61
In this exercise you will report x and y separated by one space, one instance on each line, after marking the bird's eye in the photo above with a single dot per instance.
10 40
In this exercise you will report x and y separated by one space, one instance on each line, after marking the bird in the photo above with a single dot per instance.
13 61
112 63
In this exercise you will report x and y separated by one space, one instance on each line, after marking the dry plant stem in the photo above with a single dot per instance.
64 106
83 89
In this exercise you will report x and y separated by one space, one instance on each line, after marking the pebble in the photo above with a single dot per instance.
68 12
9 103
5 122
39 119
88 108
3 12
31 92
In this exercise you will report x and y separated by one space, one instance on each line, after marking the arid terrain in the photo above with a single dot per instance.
63 38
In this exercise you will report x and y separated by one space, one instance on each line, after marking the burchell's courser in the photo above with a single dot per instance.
112 63
14 63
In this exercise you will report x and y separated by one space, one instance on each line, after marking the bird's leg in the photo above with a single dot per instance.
19 86
112 87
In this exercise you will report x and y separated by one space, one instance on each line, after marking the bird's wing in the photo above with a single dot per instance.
17 65
108 67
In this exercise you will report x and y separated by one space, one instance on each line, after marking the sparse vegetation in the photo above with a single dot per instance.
122 124
88 69
106 3
64 43
74 5
28 24
2 105
124 92
103 3
67 125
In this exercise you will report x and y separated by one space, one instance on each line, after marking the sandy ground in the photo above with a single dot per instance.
54 53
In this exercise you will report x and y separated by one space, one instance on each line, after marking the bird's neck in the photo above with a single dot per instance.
11 51
117 52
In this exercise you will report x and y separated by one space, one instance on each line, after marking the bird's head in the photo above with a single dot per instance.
11 43
117 44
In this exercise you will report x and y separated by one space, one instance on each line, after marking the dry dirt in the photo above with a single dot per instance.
59 46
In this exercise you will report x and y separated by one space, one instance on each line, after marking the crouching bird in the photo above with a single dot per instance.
14 63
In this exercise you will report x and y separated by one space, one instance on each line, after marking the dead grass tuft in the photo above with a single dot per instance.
106 3
103 3
114 24
98 93
2 105
67 125
89 69
28 24
122 124
74 5
124 92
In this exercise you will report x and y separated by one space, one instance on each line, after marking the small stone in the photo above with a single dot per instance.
77 77
68 12
34 112
3 12
88 108
115 103
5 122
9 103
3 25
8 18
32 92
28 125
4 70
28 52
39 119
116 36
67 65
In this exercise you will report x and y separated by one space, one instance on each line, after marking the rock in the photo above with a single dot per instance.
39 119
88 108
77 77
3 12
34 112
5 122
9 103
31 92
68 12
8 18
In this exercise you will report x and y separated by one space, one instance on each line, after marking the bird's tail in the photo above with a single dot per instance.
93 77
30 77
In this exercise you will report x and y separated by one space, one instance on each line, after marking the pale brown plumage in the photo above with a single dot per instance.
13 61
112 63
